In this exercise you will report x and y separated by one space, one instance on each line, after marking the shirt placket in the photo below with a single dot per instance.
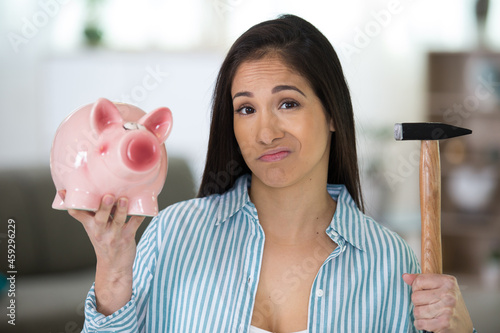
317 294
252 264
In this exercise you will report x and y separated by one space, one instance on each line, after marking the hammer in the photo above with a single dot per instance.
430 185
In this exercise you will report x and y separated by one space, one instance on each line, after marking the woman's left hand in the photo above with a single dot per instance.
438 302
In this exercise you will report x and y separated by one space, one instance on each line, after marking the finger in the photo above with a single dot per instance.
429 325
104 211
82 216
409 278
425 297
133 224
432 281
120 215
427 311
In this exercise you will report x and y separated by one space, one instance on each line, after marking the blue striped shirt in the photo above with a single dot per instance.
198 264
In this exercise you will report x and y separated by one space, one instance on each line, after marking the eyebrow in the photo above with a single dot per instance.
275 90
243 93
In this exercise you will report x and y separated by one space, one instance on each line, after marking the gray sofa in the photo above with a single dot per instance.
55 261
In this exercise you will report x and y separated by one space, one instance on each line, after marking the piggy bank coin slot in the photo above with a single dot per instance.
133 126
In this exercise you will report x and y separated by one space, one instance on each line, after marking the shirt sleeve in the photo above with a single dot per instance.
132 316
413 267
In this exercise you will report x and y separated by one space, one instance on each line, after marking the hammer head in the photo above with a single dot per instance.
427 131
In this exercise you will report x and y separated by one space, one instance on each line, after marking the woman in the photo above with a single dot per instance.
283 246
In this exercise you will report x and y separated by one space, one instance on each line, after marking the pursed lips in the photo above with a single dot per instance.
274 155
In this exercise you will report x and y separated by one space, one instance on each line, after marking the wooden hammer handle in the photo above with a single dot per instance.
430 207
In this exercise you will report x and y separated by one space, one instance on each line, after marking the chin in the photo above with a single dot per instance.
275 177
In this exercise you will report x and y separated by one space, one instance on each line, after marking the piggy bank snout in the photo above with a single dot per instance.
141 152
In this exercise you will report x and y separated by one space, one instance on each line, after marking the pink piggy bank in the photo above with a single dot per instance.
107 148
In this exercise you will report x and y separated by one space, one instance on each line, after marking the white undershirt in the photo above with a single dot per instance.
254 329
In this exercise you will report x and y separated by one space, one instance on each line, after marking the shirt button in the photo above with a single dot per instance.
320 292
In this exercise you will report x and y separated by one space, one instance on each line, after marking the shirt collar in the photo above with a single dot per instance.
234 199
347 222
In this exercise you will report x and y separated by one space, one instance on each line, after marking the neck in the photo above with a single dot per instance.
295 213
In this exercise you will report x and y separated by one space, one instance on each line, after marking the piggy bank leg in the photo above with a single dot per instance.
58 202
81 199
145 205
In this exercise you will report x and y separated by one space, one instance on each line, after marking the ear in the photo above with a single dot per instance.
104 113
332 126
158 122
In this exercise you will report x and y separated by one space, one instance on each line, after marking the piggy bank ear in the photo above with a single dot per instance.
158 122
104 113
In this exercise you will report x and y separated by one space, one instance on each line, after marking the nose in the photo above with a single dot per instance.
269 128
142 153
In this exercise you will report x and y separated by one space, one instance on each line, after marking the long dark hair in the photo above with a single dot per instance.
306 50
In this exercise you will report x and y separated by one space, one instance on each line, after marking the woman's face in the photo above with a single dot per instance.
279 123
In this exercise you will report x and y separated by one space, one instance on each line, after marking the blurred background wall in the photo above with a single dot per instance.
404 60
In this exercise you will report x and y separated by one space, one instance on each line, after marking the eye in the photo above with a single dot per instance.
289 105
245 110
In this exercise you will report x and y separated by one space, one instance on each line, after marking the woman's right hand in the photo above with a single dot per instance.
114 243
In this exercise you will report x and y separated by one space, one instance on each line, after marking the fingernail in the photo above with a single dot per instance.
122 202
108 200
